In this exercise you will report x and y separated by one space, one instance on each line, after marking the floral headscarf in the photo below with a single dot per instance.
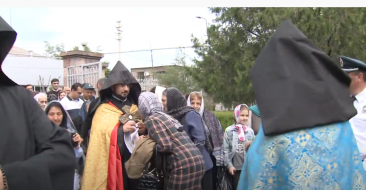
242 129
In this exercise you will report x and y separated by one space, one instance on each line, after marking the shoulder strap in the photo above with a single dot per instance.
159 163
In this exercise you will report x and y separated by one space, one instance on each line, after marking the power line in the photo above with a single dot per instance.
132 51
27 55
148 50
34 67
138 58
163 55
110 36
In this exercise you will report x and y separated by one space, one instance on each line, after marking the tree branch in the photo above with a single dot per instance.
329 40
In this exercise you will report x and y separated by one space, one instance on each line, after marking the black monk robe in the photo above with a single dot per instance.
34 153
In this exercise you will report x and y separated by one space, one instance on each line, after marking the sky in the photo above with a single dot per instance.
142 28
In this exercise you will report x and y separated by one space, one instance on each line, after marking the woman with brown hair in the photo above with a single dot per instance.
61 95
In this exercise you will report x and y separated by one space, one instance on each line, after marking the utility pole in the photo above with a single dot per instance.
206 25
152 61
119 32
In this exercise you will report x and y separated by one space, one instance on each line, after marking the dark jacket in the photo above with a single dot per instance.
35 153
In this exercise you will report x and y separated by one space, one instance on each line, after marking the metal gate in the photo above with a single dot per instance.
86 73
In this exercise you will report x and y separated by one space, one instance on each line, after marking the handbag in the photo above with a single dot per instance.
154 179
224 180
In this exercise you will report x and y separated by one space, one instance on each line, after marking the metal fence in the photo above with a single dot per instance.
147 84
86 73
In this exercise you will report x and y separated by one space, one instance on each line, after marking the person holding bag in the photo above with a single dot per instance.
184 162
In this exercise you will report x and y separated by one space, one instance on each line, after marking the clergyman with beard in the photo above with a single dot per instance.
112 128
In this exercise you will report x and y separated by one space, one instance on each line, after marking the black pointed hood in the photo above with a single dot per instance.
297 85
120 74
7 39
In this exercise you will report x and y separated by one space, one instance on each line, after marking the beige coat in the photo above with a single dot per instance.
141 155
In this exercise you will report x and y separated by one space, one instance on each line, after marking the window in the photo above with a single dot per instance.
141 75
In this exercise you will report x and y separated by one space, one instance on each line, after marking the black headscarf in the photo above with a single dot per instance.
7 39
176 104
66 122
120 74
65 115
297 85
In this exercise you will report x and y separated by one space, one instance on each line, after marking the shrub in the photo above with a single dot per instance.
226 118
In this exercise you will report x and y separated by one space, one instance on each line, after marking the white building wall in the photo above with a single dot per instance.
26 70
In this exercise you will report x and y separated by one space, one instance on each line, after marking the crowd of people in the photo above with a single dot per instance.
306 131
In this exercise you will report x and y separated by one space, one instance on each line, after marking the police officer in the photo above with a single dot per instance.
356 70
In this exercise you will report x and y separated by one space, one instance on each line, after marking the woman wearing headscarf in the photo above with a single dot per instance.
305 140
57 114
176 106
213 130
237 139
158 91
184 160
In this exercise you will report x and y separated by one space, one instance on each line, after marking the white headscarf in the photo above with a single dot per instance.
202 109
159 92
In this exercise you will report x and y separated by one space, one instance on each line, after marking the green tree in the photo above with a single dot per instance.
55 50
86 48
238 35
98 49
107 70
176 76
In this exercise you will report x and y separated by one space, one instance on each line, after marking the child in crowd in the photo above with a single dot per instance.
237 139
